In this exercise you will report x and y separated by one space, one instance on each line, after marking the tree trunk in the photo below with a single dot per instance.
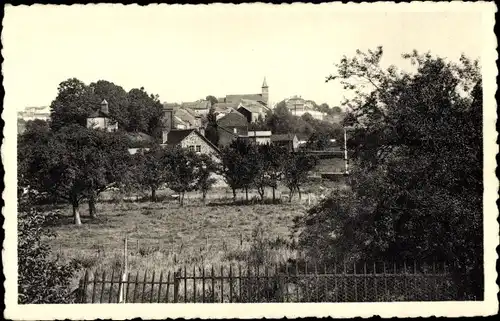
153 194
300 194
261 193
246 193
234 195
291 194
274 194
181 198
204 196
92 207
76 213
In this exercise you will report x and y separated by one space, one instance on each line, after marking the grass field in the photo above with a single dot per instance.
163 236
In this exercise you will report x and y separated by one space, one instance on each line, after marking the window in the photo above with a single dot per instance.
191 148
198 148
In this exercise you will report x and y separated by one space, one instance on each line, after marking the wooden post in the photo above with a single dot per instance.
213 285
194 284
168 287
85 283
136 285
203 285
159 287
152 287
221 284
176 286
111 285
230 283
122 292
103 280
185 285
144 286
93 288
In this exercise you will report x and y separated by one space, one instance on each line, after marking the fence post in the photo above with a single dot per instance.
122 292
176 286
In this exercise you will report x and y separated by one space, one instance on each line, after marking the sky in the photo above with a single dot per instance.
184 53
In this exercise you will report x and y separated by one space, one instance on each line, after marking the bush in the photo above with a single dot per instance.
41 279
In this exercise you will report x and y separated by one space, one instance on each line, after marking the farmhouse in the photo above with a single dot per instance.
260 136
231 126
100 119
252 110
191 139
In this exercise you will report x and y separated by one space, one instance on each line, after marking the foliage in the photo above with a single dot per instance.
149 170
206 168
134 111
182 170
212 100
416 192
41 279
72 163
295 170
272 158
75 101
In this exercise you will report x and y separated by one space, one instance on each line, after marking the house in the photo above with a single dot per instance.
191 139
299 107
231 126
260 136
188 117
200 107
222 109
32 113
287 140
100 119
138 141
252 110
262 97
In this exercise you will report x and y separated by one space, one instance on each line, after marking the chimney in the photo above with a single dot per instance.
104 107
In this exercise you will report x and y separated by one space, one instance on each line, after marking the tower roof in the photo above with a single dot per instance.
264 84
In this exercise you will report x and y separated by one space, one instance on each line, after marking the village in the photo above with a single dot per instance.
245 158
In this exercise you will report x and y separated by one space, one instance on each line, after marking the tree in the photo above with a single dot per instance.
150 170
206 168
240 165
75 101
230 168
183 170
72 164
145 112
296 167
212 100
115 160
416 190
41 279
271 158
117 99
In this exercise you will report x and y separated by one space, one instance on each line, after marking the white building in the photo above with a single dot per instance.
32 113
299 106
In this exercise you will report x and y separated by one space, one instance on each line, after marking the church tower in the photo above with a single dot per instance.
265 92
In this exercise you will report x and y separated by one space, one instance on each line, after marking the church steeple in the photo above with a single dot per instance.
264 84
265 92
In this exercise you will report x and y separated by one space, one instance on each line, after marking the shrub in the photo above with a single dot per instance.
41 279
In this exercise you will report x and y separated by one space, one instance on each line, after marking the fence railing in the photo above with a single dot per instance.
285 284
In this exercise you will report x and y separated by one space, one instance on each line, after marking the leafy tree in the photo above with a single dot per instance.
416 191
41 279
75 101
240 165
295 170
212 100
183 171
150 170
145 112
230 168
271 159
206 168
117 99
115 160
73 163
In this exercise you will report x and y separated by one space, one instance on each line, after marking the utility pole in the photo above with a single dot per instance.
345 151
